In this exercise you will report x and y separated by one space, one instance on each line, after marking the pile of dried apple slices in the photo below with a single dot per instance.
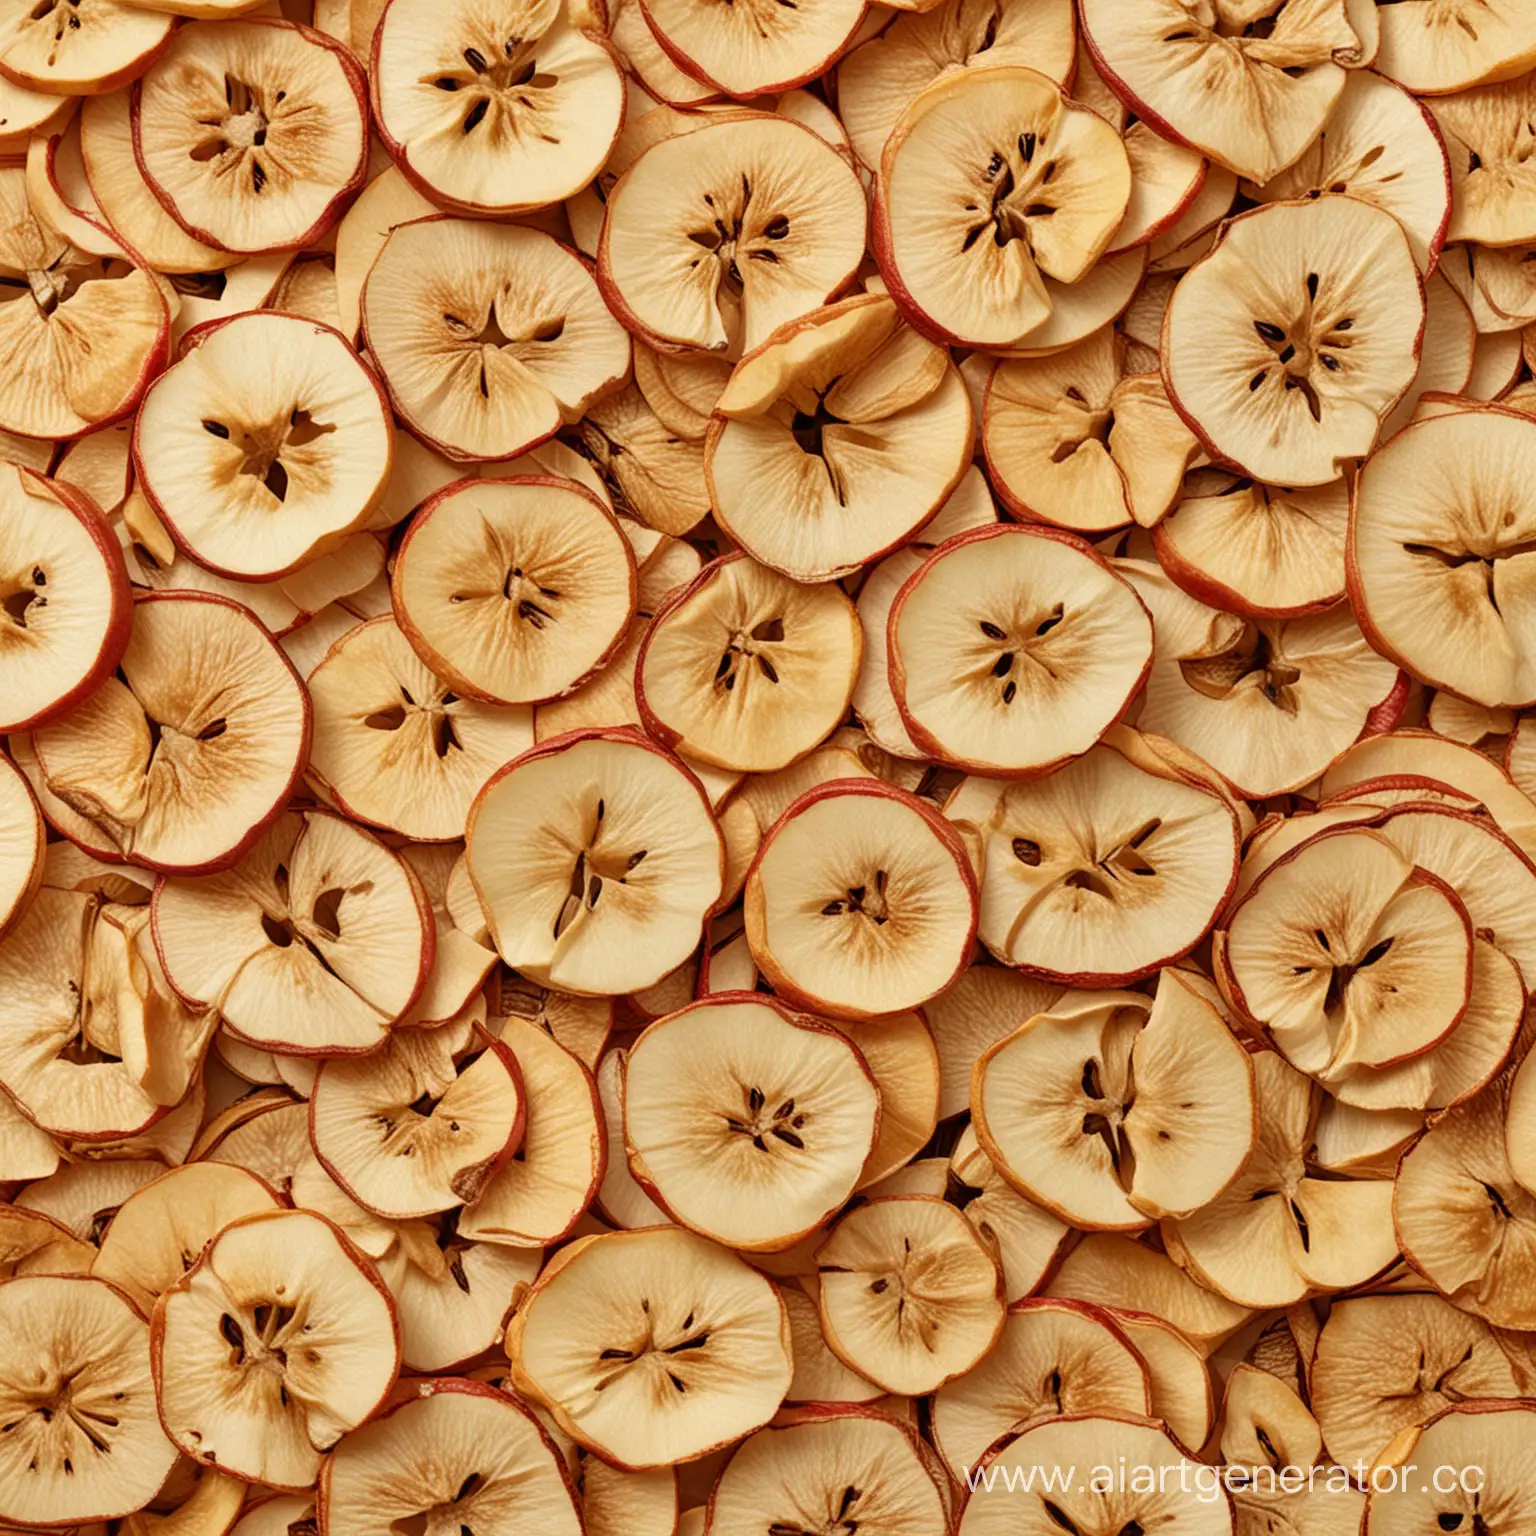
767 768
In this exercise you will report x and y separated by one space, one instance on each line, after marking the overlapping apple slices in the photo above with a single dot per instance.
112 45
652 1347
992 181
314 943
715 238
21 843
489 337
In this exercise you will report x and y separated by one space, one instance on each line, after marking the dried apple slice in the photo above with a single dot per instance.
495 112
265 446
316 942
1251 98
85 1443
836 439
278 1514
620 1201
681 388
713 239
21 843
1013 649
991 181
1285 364
488 337
1438 553
598 1342
65 54
752 53
1433 47
899 1050
986 1003
1166 177
589 815
279 1340
1179 1380
746 1122
581 1024
235 108
455 1451
1105 870
1028 1240
861 901
32 1243
644 465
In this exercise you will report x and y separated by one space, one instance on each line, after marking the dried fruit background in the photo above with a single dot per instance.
756 753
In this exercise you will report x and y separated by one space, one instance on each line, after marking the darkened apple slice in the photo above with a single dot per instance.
781 1113
715 239
265 446
1439 553
107 48
1013 649
1279 1230
85 1442
489 336
992 181
495 111
1435 47
253 133
1029 1239
861 901
752 52
596 859
1285 364
1252 99
1053 1357
1104 870
279 1340
746 669
451 1449
652 1347
316 942
836 439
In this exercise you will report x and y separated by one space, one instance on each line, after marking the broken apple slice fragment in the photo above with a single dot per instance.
394 745
1013 649
746 1122
422 1125
746 669
104 49
682 388
1109 1115
861 901
180 761
910 1293
265 446
495 113
1437 46
316 942
992 181
279 1340
752 52
1287 346
253 132
597 860
652 1347
85 1442
715 238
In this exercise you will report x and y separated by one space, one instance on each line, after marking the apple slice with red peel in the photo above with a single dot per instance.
276 1342
1426 46
746 669
114 44
639 1295
264 446
642 835
984 1005
1177 1373
861 901
714 241
644 464
1013 649
315 943
32 1243
495 116
1178 247
452 1448
489 337
964 233
746 1122
1285 364
681 388
76 1348
1166 177
648 65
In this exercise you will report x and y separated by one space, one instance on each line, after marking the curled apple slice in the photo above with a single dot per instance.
861 901
644 465
264 446
746 1122
898 1048
21 843
746 669
1286 364
597 859
495 113
1494 202
276 1342
1434 48
652 1347
107 48
316 942
235 108
992 181
715 238
1029 1240
1013 649
749 53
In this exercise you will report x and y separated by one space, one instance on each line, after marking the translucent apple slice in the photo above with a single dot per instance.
1433 47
